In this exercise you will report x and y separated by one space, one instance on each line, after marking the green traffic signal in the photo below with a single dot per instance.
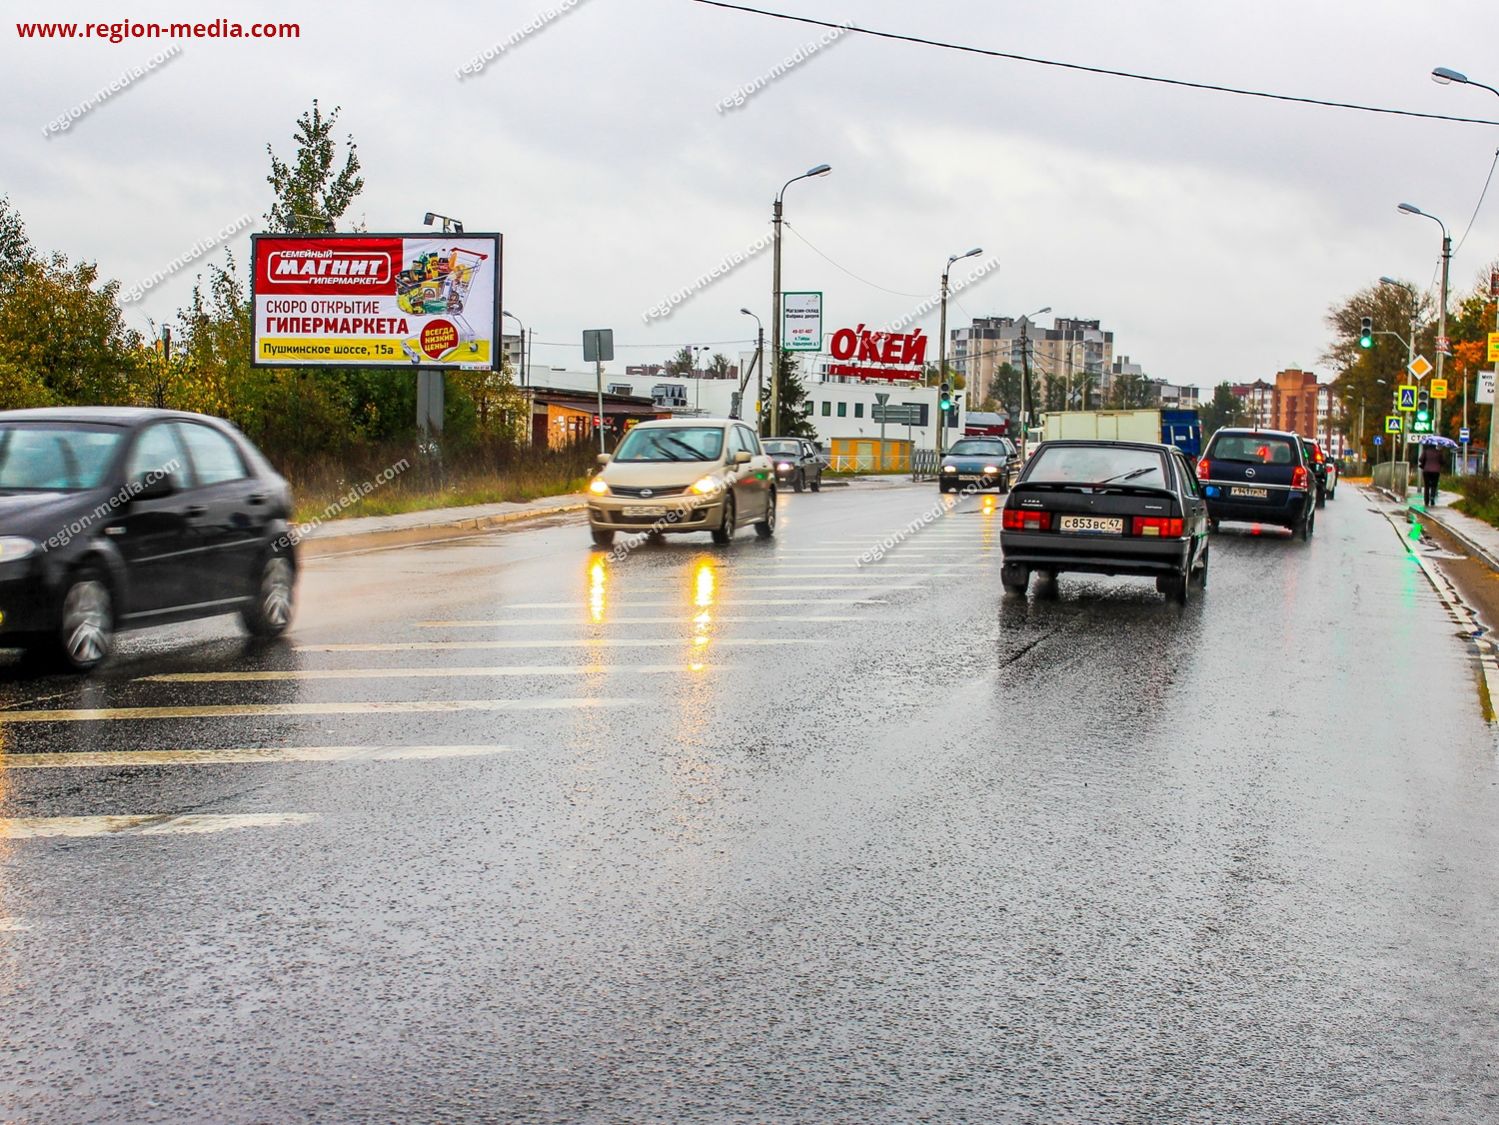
1366 332
944 398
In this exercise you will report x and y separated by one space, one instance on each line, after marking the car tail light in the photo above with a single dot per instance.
1204 472
1317 456
1018 519
1299 477
1158 527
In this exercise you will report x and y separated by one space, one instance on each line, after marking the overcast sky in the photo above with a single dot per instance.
1208 232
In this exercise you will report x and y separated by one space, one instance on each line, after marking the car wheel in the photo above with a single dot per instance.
1014 578
85 633
1214 525
817 482
1305 530
726 532
271 598
798 482
767 527
1176 587
1321 498
1004 483
602 537
1202 571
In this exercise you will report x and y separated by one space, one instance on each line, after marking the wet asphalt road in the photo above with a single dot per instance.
756 834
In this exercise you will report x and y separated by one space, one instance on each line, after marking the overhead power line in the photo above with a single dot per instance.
1105 71
1479 205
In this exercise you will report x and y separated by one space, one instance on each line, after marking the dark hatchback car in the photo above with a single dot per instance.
797 464
1259 476
116 518
977 463
1106 507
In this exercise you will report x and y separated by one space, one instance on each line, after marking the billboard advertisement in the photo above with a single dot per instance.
801 323
419 300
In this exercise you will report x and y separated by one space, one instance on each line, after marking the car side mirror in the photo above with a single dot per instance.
604 458
152 486
743 458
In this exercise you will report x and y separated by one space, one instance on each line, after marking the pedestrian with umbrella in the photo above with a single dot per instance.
1432 464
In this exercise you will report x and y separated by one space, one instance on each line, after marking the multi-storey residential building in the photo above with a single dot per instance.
1296 402
1258 398
1069 349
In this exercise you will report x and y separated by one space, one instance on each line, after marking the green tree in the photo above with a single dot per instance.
791 418
310 195
15 247
681 363
1130 391
718 366
1224 409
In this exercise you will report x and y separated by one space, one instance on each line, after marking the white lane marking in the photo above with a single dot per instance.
582 603
786 589
480 672
602 642
244 755
247 710
38 827
582 622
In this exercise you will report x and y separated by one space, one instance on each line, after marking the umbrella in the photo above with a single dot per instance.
1437 439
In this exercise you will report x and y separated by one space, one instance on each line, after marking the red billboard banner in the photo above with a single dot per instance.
878 355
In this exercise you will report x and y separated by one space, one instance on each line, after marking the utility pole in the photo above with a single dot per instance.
775 307
1442 343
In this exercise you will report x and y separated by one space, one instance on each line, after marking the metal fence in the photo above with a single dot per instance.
924 464
1402 477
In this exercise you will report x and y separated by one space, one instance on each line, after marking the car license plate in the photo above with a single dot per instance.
1250 493
1093 525
643 511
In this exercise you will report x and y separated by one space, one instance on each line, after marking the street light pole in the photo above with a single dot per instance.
942 341
775 308
1025 378
522 328
1412 209
759 367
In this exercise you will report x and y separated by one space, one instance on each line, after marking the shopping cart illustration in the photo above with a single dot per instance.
437 285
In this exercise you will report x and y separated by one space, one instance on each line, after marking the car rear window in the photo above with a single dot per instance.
1257 449
1096 464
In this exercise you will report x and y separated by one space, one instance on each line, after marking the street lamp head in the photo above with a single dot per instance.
820 170
427 219
1410 209
975 252
1445 75
1388 281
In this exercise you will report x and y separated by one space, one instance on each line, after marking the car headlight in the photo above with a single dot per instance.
13 548
708 486
949 468
988 469
598 487
784 465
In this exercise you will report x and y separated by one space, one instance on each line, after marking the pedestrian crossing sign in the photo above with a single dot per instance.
1392 424
1407 400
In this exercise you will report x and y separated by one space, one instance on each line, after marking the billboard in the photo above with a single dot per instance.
801 323
419 300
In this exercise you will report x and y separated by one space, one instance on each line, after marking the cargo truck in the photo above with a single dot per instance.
1181 428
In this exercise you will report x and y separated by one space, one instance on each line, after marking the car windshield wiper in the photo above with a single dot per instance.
1131 475
696 453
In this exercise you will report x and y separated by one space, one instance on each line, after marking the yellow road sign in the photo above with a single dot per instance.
1392 424
1494 347
1420 367
1439 388
1407 397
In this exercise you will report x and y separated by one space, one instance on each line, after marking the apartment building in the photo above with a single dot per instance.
1070 348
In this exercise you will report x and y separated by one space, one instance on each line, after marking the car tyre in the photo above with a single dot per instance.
1202 571
272 598
767 527
602 537
85 630
1176 587
1215 525
1321 498
1015 578
1307 526
725 532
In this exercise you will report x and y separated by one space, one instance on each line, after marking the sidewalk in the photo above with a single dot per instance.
1476 535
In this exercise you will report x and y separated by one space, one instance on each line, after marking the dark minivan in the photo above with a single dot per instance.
1259 476
115 518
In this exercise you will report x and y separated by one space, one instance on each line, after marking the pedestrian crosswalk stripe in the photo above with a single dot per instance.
248 710
664 620
630 603
243 755
160 824
480 672
589 642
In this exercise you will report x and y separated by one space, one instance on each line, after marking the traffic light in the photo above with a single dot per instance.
944 398
1366 332
1423 412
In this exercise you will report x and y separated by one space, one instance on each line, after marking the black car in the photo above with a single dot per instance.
797 464
1106 507
1318 464
116 518
977 463
1259 476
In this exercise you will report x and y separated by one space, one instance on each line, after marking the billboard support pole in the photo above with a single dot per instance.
598 378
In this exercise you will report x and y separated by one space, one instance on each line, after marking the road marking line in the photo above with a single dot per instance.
582 603
605 642
239 755
479 672
247 710
37 827
581 622
773 587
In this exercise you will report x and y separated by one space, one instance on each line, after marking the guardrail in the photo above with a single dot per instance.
1401 477
925 464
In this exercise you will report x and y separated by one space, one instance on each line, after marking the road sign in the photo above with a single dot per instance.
897 415
1439 388
1407 398
1392 424
598 345
1463 435
1494 347
1378 439
1444 345
882 397
1420 367
1485 391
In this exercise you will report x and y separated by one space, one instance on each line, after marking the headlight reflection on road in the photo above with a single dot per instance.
705 581
597 577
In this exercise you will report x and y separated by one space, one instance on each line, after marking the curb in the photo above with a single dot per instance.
1482 552
323 546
